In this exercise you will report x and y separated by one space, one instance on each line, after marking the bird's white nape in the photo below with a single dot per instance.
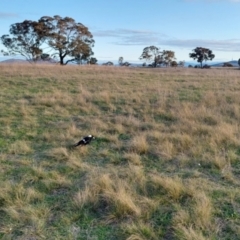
90 135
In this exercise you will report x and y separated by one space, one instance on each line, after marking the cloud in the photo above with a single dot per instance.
5 15
216 45
146 38
131 37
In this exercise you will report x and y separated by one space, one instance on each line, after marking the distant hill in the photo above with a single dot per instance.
233 62
22 61
13 60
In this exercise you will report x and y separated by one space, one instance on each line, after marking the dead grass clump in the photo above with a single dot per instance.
124 201
129 121
139 144
225 135
203 211
140 231
114 195
56 180
220 162
189 233
85 95
37 173
197 223
137 177
227 174
167 149
133 158
75 162
113 139
105 96
7 131
174 187
20 147
99 124
118 128
58 97
182 142
59 154
33 221
17 195
73 131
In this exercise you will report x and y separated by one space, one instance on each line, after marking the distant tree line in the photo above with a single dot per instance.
65 40
167 57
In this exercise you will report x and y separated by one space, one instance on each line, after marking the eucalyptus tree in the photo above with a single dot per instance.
67 38
151 53
120 61
62 38
201 54
167 57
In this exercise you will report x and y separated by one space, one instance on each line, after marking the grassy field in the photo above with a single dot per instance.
165 163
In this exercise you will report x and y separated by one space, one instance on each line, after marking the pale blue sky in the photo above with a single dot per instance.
125 27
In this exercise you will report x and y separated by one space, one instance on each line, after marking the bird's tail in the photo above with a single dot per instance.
77 145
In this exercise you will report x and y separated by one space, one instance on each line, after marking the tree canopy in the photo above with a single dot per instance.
24 39
62 37
67 38
120 61
92 61
201 54
154 55
167 57
151 53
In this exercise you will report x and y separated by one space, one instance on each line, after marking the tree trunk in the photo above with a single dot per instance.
61 60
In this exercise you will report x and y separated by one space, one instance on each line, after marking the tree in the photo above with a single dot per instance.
151 53
227 64
167 57
174 64
80 58
45 57
201 54
25 39
120 61
109 63
64 37
92 61
126 64
67 38
181 63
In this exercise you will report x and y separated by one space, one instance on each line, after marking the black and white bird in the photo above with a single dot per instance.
84 141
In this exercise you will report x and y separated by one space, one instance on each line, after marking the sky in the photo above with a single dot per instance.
124 28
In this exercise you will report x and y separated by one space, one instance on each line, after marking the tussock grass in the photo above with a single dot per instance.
164 164
20 147
114 195
139 144
173 187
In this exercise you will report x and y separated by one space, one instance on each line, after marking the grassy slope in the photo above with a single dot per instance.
165 164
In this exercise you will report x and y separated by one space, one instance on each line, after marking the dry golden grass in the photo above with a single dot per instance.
20 147
164 164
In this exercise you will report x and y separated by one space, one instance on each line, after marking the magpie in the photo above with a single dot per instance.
84 141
